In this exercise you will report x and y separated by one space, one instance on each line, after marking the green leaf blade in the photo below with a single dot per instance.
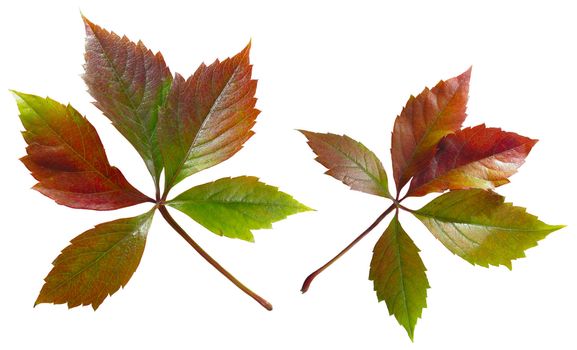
399 276
349 161
97 263
232 207
208 117
481 228
129 83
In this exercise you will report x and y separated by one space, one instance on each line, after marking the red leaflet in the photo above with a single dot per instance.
423 122
129 84
208 117
67 158
477 157
350 162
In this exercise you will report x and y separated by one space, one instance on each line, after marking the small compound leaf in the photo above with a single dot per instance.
97 263
129 84
477 157
424 121
67 158
233 206
479 227
208 117
350 162
399 276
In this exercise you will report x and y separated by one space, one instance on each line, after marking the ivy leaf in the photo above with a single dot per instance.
349 161
208 117
129 84
399 276
479 227
477 157
67 158
97 263
233 206
424 121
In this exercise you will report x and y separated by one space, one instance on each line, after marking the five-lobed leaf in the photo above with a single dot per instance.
477 157
207 117
481 228
97 263
67 158
349 161
129 83
399 275
423 122
233 207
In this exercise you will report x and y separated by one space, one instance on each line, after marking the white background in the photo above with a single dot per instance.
344 68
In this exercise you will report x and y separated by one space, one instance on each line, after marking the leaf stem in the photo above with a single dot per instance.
208 258
312 276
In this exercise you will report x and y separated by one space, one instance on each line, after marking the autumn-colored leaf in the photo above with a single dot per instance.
350 162
97 263
67 158
399 276
129 84
477 157
182 126
430 149
481 228
424 121
233 207
207 117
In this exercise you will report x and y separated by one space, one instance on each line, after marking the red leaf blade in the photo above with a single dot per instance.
208 117
477 157
423 122
67 158
349 161
129 83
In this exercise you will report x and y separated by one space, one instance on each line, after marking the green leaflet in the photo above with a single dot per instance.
399 276
481 228
97 263
233 206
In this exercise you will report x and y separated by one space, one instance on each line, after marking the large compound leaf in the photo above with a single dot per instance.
208 117
424 121
399 276
67 158
97 263
477 157
233 206
479 227
129 84
350 162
